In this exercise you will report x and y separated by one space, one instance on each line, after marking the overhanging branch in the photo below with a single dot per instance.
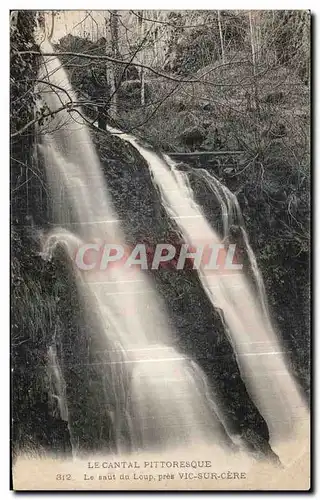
114 60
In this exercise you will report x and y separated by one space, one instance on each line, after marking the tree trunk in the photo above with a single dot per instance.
52 26
142 92
254 61
112 48
221 37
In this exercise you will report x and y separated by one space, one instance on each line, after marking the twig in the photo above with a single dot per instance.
139 65
206 153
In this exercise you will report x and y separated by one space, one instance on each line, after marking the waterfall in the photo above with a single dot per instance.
154 390
57 383
259 353
231 215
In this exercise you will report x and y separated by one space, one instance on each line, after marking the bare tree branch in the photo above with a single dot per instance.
139 65
36 120
166 23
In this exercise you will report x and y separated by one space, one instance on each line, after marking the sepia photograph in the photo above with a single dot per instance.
160 187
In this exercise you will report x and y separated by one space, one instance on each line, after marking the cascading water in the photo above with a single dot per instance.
259 353
231 215
155 391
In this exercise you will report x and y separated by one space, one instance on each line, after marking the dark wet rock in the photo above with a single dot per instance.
193 137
